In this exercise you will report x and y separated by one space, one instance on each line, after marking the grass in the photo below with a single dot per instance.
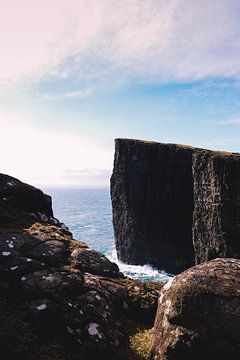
137 344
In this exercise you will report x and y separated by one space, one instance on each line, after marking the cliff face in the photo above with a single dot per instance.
174 205
216 216
152 199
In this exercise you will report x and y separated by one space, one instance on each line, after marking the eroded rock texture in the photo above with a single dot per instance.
216 216
198 314
174 205
59 299
16 195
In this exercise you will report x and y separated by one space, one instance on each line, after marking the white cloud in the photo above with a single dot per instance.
118 41
46 157
69 95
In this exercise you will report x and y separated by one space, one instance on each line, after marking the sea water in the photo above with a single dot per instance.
87 212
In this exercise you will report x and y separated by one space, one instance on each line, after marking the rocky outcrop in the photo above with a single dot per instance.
19 201
198 314
58 298
174 205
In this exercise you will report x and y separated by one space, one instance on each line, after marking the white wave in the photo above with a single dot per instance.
140 272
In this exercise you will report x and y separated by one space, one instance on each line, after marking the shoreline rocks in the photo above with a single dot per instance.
70 299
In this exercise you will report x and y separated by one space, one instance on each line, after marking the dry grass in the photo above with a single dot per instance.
138 343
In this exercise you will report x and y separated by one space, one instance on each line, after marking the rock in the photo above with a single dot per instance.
174 205
216 216
152 201
18 199
59 299
142 299
91 261
199 313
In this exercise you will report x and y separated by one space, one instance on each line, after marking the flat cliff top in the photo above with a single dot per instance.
177 146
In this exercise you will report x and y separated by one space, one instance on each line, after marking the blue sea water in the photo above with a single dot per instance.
88 214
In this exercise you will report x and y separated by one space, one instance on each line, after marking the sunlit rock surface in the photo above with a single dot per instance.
198 314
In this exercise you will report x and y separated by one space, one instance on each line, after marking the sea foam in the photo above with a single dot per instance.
140 272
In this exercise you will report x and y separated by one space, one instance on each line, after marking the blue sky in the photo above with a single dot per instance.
75 75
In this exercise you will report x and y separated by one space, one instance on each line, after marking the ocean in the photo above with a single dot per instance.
87 212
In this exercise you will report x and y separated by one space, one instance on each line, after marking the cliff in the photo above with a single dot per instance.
59 299
216 216
174 205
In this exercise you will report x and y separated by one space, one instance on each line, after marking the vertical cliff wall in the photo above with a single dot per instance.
174 205
216 216
152 199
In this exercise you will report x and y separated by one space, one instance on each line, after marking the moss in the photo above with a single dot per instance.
76 244
63 235
137 344
141 341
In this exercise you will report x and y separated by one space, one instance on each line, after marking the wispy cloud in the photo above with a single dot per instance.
69 95
119 41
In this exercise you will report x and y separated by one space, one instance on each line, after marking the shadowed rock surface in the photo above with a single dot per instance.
152 200
174 205
16 195
198 314
216 217
59 300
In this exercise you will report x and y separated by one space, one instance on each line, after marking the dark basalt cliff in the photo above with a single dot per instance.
59 299
152 198
174 205
216 217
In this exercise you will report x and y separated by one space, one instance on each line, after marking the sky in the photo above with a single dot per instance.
76 74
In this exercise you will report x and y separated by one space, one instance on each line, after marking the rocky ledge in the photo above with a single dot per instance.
61 300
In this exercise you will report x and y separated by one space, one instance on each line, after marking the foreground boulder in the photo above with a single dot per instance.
59 300
198 314
173 205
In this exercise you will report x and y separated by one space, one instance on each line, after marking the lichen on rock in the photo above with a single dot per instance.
63 300
199 313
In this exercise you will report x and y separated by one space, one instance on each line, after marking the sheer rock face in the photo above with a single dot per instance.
70 296
216 217
199 314
152 199
174 205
